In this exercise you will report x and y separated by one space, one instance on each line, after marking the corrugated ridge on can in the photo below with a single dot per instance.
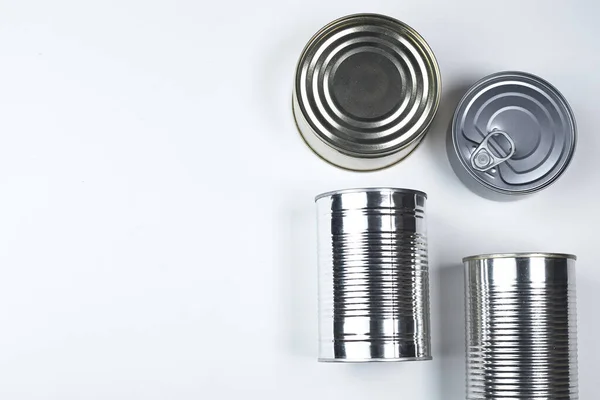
373 276
521 327
367 87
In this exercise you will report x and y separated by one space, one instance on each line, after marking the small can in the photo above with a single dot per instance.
512 134
373 276
521 326
367 88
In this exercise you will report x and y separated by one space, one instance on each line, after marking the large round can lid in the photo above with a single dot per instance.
367 85
514 132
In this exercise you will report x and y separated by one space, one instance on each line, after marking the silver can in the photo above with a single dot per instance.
373 276
512 134
521 326
367 88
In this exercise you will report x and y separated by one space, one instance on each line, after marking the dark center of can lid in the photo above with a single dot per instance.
367 85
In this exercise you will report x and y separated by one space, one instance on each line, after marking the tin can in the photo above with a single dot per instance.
521 326
367 88
512 134
373 276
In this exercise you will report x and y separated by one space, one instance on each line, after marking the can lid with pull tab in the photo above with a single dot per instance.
514 133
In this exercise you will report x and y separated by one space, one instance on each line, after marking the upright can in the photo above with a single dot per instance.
512 134
521 326
373 276
367 88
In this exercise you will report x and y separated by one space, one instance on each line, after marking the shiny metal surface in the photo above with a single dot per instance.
366 89
521 326
373 276
526 127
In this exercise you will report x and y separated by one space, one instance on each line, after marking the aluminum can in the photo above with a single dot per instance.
367 87
373 275
512 134
521 326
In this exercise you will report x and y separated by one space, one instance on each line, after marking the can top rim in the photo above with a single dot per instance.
372 189
519 255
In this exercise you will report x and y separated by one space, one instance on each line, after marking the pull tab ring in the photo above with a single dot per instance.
482 159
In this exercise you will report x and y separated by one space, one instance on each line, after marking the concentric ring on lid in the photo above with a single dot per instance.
530 131
367 86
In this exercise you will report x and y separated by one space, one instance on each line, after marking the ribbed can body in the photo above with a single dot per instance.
521 326
373 276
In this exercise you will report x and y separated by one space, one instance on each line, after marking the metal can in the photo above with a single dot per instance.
367 88
512 134
373 276
521 326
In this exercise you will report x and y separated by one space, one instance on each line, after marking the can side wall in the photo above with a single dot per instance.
373 277
521 328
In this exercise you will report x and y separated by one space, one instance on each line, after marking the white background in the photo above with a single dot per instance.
157 230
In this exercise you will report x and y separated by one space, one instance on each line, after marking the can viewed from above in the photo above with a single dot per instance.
373 276
367 88
512 134
521 326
